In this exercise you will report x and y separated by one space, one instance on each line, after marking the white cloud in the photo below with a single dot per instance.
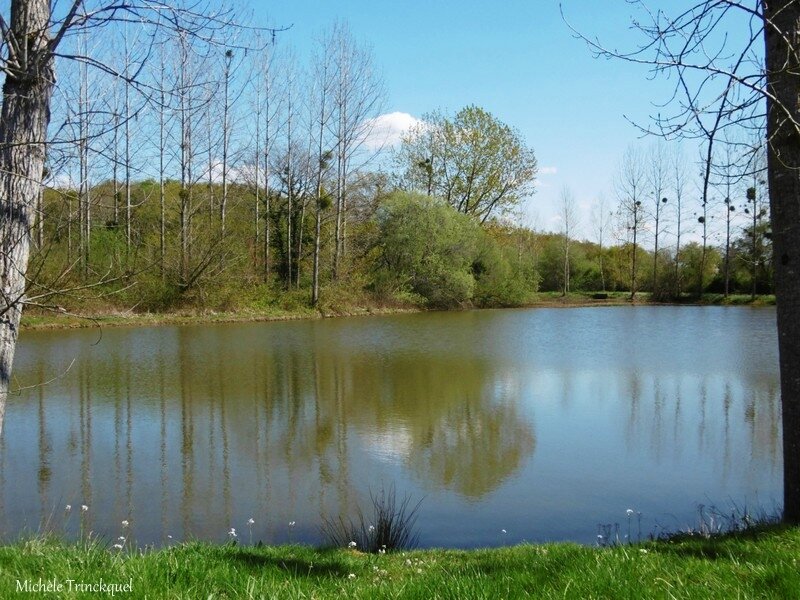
548 170
386 130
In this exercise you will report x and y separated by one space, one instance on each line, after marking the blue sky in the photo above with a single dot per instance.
516 59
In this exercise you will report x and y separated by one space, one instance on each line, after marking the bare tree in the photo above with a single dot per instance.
31 37
729 173
263 111
723 80
630 185
84 200
164 97
322 80
289 167
680 180
358 98
758 212
569 218
657 180
600 222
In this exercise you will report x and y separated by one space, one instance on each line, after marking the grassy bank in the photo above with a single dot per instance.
759 563
112 317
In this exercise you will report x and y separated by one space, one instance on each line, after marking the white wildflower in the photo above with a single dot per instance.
250 521
351 576
352 545
125 523
232 533
84 508
68 507
118 546
629 512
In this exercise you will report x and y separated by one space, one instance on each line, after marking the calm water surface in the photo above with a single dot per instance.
542 422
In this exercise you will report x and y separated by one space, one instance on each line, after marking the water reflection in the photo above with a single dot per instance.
544 420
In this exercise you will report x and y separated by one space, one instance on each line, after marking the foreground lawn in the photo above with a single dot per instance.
761 563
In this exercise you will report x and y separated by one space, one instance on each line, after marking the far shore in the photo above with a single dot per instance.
43 320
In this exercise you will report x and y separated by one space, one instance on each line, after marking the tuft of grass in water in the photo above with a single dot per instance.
389 527
760 562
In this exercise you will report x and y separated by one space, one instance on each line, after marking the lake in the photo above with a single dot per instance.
509 425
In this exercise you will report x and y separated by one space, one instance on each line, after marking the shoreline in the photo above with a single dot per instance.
39 321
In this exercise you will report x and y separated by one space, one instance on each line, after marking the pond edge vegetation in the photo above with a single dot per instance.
45 320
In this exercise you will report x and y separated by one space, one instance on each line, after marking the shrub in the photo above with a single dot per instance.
426 247
389 527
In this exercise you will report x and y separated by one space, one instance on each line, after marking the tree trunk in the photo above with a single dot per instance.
225 141
317 231
27 90
782 38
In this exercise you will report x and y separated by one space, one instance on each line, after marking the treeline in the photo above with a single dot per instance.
404 249
594 269
227 175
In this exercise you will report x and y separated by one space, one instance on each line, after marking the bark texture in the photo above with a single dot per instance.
782 38
23 129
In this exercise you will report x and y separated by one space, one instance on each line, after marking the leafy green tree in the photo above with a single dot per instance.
699 264
504 271
427 249
479 165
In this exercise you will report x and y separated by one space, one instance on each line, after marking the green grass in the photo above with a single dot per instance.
759 563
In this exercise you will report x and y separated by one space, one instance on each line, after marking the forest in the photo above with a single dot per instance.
232 176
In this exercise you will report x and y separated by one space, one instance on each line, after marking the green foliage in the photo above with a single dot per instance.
426 248
476 163
403 251
505 274
698 270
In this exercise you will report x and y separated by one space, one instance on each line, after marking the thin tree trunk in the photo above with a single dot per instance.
161 172
289 183
317 231
337 251
728 239
225 141
83 149
127 157
266 209
40 218
754 272
115 157
633 266
678 289
300 241
257 165
186 161
654 288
